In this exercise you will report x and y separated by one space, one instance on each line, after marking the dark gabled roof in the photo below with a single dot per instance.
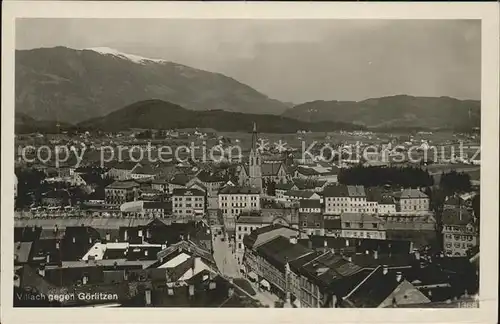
328 268
179 179
336 191
391 260
307 171
270 169
279 251
310 203
27 233
284 186
208 177
234 190
373 290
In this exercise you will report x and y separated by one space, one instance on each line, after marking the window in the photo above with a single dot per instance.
239 228
347 224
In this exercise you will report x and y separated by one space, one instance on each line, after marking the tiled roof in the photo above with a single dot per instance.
279 251
457 216
123 185
377 287
310 203
326 268
412 193
179 179
234 190
336 191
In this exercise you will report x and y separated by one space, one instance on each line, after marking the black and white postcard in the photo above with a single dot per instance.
319 157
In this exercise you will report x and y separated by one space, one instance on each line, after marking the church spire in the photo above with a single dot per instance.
254 137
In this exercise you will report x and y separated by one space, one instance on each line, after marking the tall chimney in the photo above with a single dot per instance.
108 237
41 270
147 297
399 276
125 235
58 245
48 259
375 254
85 279
191 290
417 255
385 269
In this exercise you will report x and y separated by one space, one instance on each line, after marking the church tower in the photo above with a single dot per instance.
255 162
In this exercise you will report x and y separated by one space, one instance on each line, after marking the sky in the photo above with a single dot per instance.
293 60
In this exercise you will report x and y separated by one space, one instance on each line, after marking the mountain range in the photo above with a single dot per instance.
70 86
158 114
399 111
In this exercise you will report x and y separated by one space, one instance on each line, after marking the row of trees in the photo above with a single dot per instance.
408 177
453 182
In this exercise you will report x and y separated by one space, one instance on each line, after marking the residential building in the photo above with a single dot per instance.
122 170
233 200
120 192
282 188
310 206
412 200
249 221
212 181
361 225
460 232
351 199
252 233
143 172
294 195
311 223
188 203
297 274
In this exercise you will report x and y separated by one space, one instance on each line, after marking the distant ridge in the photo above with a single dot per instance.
158 114
401 111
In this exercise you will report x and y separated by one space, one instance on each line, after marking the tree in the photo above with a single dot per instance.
271 188
476 206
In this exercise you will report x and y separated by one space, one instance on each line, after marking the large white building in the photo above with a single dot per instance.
412 200
345 199
233 200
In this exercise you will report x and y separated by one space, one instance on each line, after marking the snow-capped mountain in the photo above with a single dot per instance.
72 85
130 57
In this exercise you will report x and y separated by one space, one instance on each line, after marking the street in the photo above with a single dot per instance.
228 265
224 258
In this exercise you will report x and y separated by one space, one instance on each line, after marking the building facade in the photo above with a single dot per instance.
120 192
188 203
233 200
